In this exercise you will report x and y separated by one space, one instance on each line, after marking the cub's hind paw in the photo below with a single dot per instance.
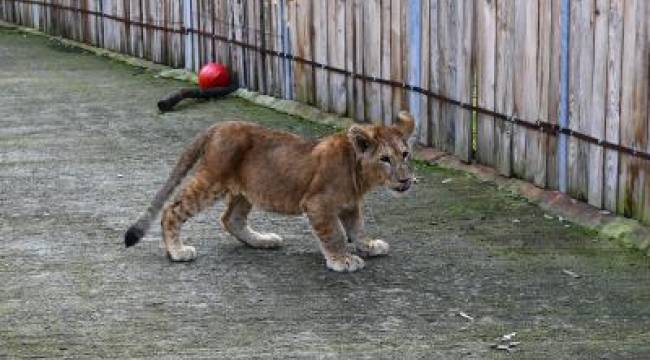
345 263
185 253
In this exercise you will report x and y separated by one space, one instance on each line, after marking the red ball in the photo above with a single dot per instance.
213 75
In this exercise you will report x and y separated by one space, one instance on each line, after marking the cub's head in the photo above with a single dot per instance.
383 153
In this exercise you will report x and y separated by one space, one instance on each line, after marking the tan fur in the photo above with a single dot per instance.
280 172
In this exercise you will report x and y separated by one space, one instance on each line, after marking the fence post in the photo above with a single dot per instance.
286 65
414 55
565 19
187 24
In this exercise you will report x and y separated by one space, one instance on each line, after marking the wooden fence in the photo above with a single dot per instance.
483 77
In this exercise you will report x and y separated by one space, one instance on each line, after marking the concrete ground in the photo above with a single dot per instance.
83 149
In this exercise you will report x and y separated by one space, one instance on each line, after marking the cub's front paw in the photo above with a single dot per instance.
344 263
371 248
185 253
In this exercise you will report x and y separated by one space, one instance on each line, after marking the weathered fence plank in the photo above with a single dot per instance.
612 128
581 63
633 119
553 90
485 54
397 40
386 90
336 55
372 59
320 48
434 69
504 100
598 94
304 74
525 88
425 31
359 49
448 33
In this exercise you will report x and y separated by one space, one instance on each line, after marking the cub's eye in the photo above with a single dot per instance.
405 154
385 159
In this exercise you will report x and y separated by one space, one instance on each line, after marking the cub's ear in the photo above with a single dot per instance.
361 139
405 124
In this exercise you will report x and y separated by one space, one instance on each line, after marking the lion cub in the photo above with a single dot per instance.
248 165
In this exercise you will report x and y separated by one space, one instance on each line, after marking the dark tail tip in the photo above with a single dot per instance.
132 236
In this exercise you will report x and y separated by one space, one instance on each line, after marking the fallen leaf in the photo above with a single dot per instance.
571 273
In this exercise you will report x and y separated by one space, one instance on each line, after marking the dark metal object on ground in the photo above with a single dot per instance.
168 102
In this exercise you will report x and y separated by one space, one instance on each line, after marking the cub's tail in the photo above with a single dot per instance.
186 162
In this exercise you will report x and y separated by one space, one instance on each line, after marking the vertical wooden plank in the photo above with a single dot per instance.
270 61
135 32
121 44
644 48
178 55
581 63
425 33
249 36
296 67
288 14
413 60
504 101
187 37
434 81
537 142
206 27
157 39
107 8
277 31
448 40
257 23
359 54
485 77
240 52
86 19
321 23
454 36
612 116
599 90
336 55
396 43
221 26
372 58
350 56
526 93
386 90
553 112
634 107
35 14
463 140
304 74
196 38
123 8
